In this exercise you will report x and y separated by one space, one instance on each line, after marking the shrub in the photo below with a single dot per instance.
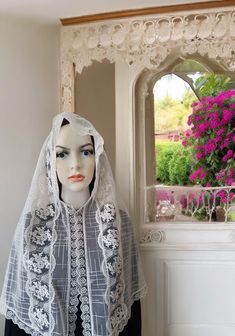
173 165
179 167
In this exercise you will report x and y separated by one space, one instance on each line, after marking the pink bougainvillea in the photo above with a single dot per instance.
212 137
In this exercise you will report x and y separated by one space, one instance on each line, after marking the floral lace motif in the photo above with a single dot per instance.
107 213
46 214
116 292
39 290
114 266
78 275
41 318
110 238
41 236
38 262
117 315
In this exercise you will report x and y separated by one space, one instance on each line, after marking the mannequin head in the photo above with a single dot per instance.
75 160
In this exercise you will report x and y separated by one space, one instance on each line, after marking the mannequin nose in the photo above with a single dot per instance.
75 162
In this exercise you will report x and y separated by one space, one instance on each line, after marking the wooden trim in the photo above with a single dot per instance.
146 11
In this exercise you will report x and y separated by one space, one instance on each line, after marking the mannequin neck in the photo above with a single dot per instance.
75 198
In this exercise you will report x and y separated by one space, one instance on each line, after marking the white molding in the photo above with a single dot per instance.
214 237
146 42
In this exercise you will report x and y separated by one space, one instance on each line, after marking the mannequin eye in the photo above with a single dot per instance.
87 152
61 155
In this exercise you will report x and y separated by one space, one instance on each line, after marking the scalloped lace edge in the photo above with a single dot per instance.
135 297
11 315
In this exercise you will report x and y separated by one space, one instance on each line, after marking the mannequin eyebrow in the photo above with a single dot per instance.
62 147
88 144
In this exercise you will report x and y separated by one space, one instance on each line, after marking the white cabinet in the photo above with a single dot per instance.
190 272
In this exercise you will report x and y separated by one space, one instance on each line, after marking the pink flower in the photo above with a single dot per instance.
227 115
190 120
214 123
203 127
209 147
229 181
196 135
231 196
224 144
221 193
230 153
217 139
193 177
184 143
202 175
198 147
188 133
230 172
228 156
199 155
220 131
197 174
224 200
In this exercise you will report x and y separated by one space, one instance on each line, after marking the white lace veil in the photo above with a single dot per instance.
61 255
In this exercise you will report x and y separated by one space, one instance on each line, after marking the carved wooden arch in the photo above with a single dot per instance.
146 42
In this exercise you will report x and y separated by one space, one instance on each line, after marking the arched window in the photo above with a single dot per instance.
168 143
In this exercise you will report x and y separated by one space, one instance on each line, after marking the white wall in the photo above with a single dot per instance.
29 98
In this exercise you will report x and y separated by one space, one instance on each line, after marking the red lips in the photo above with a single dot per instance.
76 178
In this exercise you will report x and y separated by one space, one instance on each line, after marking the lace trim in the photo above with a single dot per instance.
39 264
137 296
109 240
10 315
78 275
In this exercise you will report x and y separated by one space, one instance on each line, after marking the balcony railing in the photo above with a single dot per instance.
186 203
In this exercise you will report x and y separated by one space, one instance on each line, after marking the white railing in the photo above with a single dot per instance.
189 203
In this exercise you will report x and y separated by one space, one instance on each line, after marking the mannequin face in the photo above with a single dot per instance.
75 159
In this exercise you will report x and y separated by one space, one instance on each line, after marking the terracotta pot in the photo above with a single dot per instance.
220 214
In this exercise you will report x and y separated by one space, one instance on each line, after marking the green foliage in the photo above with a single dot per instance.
164 153
179 167
211 84
173 163
171 114
201 214
188 98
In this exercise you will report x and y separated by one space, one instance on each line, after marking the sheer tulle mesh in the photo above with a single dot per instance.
60 255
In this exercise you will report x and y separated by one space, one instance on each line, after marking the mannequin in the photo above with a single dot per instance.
75 165
98 293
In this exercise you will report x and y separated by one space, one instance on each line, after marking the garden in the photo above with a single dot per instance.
195 170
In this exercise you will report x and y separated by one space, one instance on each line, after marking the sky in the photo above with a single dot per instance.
170 85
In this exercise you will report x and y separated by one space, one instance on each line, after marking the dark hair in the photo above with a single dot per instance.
91 185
